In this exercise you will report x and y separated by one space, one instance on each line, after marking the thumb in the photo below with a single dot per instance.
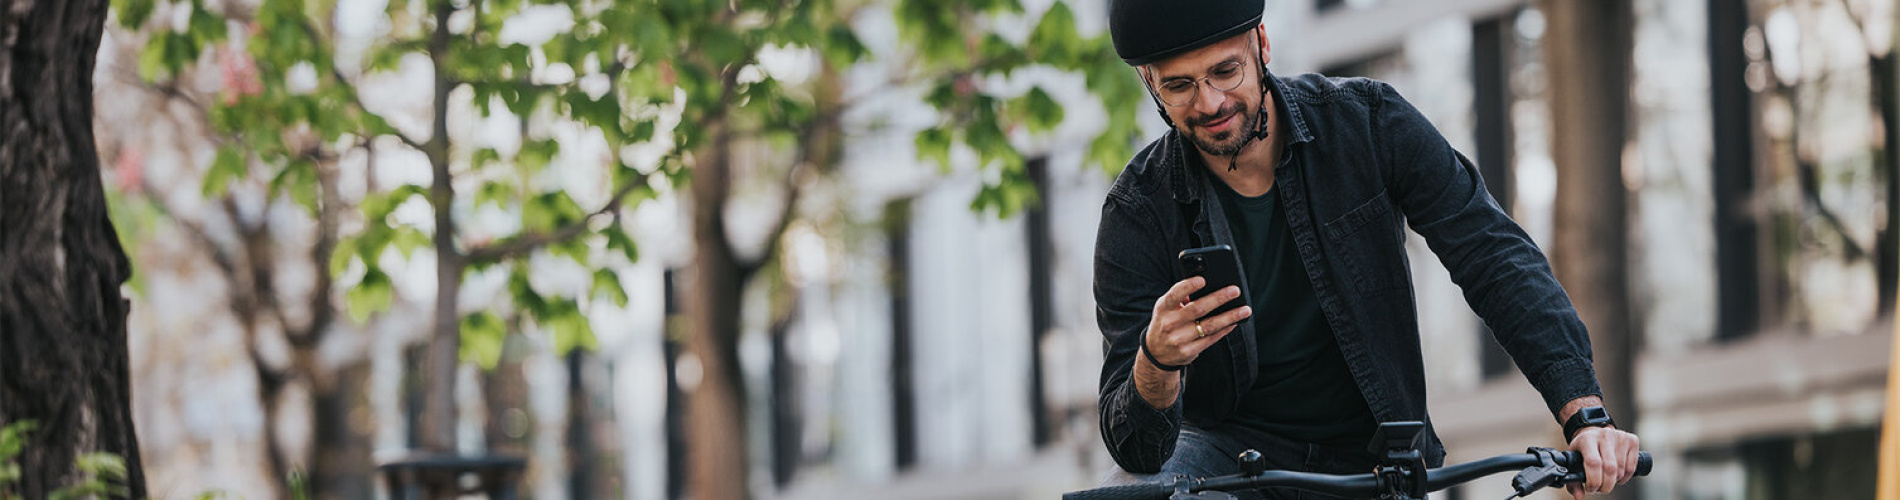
1575 489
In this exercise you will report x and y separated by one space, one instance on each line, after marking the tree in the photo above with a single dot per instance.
1588 49
624 71
955 64
287 135
63 360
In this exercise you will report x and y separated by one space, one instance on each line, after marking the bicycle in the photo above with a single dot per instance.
1400 475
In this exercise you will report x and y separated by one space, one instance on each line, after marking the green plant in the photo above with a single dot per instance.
101 473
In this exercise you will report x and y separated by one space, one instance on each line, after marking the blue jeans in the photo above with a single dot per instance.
1213 452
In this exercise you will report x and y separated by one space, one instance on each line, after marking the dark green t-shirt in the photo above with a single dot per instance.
1304 391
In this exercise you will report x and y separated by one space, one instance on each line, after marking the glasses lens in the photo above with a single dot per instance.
1226 76
1181 92
1178 93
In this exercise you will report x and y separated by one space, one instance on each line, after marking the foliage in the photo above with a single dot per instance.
290 104
983 120
101 473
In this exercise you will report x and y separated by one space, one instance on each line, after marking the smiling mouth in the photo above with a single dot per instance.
1217 125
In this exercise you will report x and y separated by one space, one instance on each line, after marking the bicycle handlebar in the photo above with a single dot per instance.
1349 485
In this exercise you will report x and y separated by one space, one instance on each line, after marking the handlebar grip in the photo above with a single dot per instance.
1140 491
1575 464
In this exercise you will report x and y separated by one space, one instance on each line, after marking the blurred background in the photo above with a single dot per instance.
842 249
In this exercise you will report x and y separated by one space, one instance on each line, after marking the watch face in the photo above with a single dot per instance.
1595 415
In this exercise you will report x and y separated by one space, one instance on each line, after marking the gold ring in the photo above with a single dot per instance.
1197 329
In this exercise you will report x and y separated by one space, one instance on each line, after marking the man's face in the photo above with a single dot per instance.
1216 121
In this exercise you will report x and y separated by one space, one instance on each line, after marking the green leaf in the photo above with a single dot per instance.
606 283
376 207
933 144
998 55
1055 35
298 180
340 257
842 48
227 165
407 240
497 193
535 155
550 211
133 13
483 157
722 46
483 336
642 131
13 438
617 239
575 249
1043 113
205 28
107 466
570 328
372 295
523 294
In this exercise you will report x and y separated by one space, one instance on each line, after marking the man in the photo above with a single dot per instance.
1312 181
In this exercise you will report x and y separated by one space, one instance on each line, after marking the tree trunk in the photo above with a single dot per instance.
438 420
1588 49
340 464
716 408
1887 243
63 360
583 456
505 392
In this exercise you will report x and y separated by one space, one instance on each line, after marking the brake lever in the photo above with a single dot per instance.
1532 479
1546 473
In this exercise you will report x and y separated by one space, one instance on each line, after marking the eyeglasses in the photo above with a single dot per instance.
1177 92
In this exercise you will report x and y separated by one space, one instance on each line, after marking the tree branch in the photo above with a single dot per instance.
329 210
818 143
531 241
349 87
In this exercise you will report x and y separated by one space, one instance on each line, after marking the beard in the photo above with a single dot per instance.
1226 142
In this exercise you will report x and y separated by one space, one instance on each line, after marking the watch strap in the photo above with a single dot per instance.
1589 416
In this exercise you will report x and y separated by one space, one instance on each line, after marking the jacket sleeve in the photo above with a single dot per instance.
1504 276
1131 273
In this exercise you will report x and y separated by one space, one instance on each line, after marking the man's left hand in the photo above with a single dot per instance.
1609 459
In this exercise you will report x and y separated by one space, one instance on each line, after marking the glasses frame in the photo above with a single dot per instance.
1207 80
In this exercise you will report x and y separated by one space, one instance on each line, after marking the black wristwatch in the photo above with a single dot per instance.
1589 416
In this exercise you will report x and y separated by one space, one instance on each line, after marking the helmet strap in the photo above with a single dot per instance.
1260 129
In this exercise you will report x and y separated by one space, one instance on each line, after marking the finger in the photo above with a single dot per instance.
1576 491
1592 463
1179 293
1227 319
1612 471
1630 450
1215 332
1200 307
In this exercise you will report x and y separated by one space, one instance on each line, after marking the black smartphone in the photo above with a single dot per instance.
1221 266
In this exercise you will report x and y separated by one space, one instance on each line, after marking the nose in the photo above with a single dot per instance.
1207 99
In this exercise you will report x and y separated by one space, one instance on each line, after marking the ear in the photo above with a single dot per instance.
1266 47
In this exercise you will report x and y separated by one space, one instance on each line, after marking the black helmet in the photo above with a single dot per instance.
1146 31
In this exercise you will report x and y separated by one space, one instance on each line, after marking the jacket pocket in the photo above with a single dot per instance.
1369 244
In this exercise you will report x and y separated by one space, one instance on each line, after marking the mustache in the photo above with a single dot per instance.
1222 114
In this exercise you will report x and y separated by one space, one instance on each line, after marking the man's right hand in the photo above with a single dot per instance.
1177 335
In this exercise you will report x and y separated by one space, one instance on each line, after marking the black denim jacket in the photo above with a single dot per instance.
1367 163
